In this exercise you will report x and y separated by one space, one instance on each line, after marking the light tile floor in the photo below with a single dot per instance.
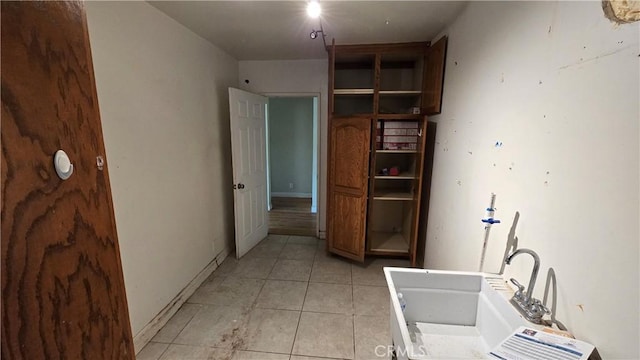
287 299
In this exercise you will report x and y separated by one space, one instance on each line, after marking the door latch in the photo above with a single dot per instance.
240 186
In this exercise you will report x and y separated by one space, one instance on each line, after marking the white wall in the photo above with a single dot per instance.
558 85
291 145
164 105
291 77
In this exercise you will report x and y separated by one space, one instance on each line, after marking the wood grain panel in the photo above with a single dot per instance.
418 182
351 145
331 71
423 216
434 77
349 225
348 185
63 293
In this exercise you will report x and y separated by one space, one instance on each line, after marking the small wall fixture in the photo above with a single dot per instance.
314 33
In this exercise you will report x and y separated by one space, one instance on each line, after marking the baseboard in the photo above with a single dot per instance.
290 194
322 234
141 339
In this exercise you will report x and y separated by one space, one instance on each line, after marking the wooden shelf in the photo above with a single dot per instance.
391 195
400 92
352 91
351 116
396 151
400 117
388 242
402 176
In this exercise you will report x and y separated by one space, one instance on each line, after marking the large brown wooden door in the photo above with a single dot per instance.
63 293
348 186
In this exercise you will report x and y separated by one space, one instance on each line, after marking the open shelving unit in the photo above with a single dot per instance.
379 99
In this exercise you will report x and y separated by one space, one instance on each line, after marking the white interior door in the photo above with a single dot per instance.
248 150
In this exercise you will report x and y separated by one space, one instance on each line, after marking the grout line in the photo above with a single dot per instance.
163 351
351 273
259 352
187 323
368 285
295 336
353 318
324 312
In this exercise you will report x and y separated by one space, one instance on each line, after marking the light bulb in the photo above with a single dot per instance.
313 9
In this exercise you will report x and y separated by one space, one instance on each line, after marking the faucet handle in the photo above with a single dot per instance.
543 309
539 309
518 294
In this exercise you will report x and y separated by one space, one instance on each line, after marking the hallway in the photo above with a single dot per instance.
292 216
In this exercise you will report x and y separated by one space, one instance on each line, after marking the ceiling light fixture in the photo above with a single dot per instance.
313 9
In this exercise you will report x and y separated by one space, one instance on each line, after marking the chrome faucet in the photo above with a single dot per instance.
531 308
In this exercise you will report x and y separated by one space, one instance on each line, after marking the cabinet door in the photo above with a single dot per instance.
348 183
434 77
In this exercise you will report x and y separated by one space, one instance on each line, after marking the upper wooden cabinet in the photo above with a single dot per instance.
379 96
386 79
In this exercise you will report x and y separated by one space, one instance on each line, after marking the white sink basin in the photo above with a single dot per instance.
449 314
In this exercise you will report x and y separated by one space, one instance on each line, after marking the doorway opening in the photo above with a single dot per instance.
292 164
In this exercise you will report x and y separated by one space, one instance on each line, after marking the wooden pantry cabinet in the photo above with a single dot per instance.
379 145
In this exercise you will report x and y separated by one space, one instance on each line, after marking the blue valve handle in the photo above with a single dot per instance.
491 221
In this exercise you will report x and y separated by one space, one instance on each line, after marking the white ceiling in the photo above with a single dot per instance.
278 30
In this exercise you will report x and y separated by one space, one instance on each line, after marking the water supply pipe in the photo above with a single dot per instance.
489 221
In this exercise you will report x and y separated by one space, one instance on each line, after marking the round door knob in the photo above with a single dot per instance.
62 164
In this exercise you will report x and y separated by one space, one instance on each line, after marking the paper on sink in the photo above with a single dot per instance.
526 343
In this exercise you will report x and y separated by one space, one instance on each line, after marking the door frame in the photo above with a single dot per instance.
316 165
